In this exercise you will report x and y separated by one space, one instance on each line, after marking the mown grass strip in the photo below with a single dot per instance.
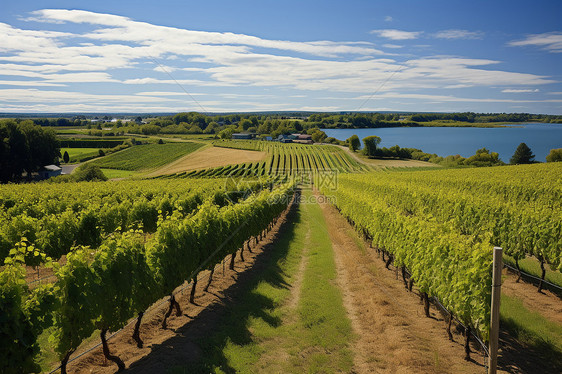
265 331
324 329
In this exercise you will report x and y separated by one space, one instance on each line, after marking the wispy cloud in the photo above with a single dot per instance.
550 41
458 34
511 90
397 34
125 29
239 71
392 46
388 19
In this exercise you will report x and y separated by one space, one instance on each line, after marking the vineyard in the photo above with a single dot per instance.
91 257
439 227
102 288
283 159
54 217
149 156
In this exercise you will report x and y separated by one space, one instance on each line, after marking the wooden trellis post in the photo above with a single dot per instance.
495 311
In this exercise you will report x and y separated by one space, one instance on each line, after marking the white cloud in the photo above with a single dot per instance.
166 93
392 46
388 19
511 90
29 83
397 34
114 44
125 29
165 69
458 34
449 98
550 41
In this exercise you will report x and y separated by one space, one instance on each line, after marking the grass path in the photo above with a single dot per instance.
269 331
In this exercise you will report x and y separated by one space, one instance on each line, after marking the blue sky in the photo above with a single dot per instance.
223 56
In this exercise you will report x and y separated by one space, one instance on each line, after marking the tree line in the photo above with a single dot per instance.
482 157
25 147
275 124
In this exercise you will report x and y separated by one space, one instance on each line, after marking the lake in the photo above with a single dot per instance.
444 141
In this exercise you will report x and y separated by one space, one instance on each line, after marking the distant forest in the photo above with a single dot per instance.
275 124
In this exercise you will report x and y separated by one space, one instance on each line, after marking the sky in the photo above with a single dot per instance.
269 55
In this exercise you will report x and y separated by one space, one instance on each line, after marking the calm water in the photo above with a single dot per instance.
444 141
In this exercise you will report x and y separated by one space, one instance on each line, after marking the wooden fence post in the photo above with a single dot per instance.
495 311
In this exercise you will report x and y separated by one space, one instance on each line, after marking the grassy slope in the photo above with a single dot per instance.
116 173
145 157
76 154
265 332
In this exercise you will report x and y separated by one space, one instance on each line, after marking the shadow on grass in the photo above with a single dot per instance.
525 351
198 346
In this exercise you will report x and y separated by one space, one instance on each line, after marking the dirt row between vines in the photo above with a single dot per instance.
394 334
177 344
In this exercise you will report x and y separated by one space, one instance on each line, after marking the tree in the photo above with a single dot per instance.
318 136
88 172
371 143
522 155
354 143
555 155
244 125
66 157
226 133
484 157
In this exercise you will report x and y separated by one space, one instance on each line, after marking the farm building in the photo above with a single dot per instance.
284 139
304 137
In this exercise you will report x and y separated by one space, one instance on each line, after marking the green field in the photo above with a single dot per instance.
79 154
146 157
116 173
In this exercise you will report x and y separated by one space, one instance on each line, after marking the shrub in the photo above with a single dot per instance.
88 173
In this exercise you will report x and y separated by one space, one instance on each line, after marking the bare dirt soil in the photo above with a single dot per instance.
545 303
396 163
210 157
394 336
